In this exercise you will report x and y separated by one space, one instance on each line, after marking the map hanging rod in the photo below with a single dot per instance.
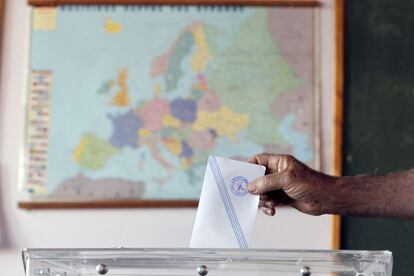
154 8
303 3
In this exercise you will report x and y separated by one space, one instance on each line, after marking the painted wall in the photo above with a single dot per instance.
110 228
379 125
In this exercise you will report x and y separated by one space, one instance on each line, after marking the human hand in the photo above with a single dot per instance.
288 181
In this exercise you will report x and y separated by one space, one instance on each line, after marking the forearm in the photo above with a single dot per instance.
384 196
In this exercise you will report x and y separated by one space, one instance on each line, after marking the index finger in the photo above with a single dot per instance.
260 159
274 163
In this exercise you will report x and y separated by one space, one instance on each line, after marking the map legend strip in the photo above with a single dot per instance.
37 135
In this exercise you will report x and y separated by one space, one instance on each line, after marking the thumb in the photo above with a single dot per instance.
267 183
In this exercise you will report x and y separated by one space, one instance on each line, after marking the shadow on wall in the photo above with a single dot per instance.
4 240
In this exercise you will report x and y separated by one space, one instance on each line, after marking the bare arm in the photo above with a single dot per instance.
288 181
389 195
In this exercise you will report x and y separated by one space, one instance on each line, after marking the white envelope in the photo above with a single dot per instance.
227 211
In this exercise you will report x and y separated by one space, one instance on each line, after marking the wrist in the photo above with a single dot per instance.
332 195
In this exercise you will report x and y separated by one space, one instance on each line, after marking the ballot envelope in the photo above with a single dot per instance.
204 262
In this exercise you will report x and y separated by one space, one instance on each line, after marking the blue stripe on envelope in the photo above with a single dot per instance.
224 194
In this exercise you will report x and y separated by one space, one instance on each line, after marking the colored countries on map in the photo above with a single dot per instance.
156 96
190 126
181 125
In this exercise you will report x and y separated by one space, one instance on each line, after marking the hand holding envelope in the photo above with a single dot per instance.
226 212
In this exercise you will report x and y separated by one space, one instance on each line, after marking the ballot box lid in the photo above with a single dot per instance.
204 262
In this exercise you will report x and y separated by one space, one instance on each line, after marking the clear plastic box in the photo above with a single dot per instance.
203 262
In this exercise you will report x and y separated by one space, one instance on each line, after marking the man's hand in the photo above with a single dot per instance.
288 181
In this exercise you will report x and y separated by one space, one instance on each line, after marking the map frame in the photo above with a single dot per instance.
337 45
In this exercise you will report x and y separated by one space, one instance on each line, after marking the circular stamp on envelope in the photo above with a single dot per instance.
238 185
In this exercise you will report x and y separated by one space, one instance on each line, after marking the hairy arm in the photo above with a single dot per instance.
389 195
288 181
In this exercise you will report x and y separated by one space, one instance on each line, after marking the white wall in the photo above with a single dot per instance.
101 228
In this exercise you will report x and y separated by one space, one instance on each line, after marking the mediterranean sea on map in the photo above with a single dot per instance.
141 96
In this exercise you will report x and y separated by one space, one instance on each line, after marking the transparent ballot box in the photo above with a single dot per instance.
203 262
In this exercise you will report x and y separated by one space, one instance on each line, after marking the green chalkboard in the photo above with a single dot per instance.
379 114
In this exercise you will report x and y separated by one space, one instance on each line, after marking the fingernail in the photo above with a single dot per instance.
269 204
269 212
251 187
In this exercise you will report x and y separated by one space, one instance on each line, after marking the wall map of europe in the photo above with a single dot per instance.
129 101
